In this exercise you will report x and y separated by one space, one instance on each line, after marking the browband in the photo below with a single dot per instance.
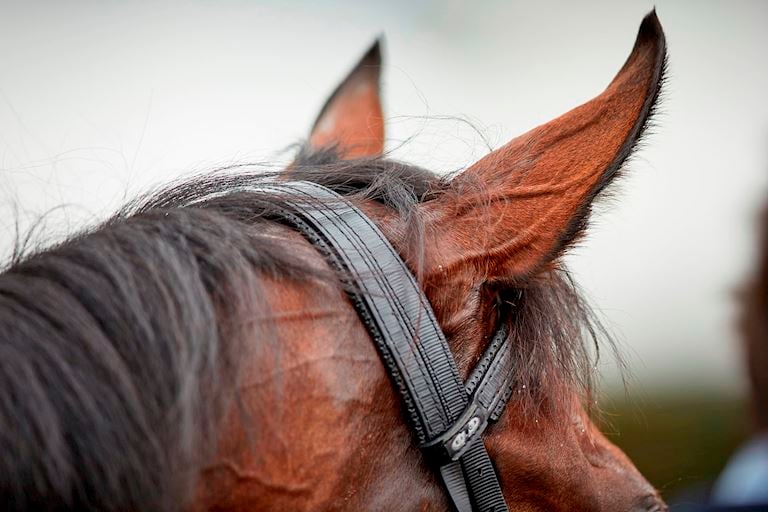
446 415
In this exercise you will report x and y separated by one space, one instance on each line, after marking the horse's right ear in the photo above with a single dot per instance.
521 206
351 121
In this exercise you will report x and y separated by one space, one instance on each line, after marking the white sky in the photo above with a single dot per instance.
101 99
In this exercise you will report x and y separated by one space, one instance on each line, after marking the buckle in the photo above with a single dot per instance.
451 444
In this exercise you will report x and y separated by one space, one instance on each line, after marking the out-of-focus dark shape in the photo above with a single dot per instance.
745 479
743 484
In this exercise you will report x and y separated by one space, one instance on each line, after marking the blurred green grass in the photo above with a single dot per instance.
678 440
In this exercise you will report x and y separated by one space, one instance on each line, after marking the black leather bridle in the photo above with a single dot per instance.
447 416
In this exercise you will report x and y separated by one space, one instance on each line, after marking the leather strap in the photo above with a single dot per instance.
446 416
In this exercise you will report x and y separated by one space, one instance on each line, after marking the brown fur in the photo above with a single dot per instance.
498 226
191 354
352 118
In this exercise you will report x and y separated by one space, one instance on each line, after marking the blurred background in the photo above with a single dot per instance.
102 100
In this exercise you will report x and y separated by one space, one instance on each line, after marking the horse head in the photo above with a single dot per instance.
485 245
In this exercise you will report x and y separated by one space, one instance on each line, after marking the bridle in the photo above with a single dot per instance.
447 416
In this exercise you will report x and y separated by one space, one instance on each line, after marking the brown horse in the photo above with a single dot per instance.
192 354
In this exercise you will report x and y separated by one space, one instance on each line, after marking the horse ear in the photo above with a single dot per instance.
351 121
521 206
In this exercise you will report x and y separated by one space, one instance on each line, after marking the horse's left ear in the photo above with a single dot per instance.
521 206
351 121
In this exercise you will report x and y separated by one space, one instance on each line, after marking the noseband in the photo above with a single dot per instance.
447 416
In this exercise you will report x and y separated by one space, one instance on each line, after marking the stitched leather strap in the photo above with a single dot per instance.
446 416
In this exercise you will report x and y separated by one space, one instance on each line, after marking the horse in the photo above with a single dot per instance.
192 353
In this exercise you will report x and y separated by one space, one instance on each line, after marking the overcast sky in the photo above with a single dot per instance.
99 100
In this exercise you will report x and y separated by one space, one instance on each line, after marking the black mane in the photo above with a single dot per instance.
120 346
